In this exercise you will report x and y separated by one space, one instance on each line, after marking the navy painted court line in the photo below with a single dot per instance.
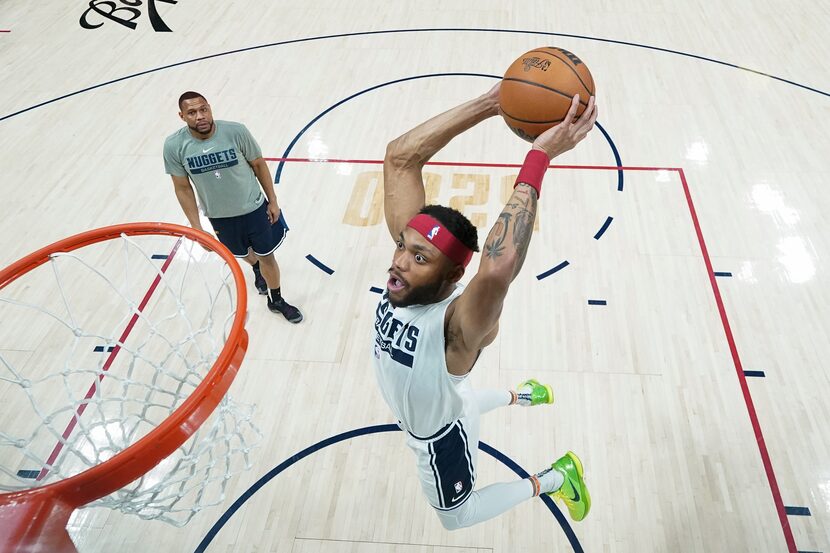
376 429
422 30
158 256
723 274
281 165
759 374
320 264
376 290
603 228
549 272
546 499
617 159
597 302
100 349
30 474
287 152
797 511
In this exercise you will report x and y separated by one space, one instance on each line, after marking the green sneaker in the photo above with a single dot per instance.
574 492
531 392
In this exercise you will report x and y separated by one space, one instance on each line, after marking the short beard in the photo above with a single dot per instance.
422 295
197 131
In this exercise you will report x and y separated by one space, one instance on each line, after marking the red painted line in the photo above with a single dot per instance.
756 426
750 407
4 31
82 407
753 416
470 164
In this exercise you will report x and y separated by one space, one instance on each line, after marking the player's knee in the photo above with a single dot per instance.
269 260
456 519
450 523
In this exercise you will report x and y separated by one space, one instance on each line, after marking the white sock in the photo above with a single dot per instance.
522 396
547 481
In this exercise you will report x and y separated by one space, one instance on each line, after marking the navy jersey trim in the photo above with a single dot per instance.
434 436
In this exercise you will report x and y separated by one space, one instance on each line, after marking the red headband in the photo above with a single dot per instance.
440 237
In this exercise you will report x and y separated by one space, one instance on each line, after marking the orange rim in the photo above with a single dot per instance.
136 460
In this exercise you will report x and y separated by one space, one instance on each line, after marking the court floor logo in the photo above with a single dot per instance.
123 12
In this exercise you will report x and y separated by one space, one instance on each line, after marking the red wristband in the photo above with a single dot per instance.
533 170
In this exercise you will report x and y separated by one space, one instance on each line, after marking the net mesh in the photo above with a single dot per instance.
97 348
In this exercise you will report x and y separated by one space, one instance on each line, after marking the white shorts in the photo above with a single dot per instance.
447 460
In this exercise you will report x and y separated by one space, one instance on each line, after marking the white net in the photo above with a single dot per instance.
99 346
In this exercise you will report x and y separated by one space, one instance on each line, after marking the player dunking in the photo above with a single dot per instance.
430 329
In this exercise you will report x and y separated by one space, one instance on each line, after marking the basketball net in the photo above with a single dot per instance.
100 344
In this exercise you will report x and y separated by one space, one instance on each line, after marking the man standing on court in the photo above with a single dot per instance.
430 329
225 162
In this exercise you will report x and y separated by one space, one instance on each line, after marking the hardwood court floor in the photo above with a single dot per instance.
647 388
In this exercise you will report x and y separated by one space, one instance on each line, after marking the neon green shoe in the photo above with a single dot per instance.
531 393
573 493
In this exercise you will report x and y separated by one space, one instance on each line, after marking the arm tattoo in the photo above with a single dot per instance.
495 242
525 217
521 210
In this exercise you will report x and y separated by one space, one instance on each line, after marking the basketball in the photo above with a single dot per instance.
538 87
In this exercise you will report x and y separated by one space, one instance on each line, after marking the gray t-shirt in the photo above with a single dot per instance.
225 183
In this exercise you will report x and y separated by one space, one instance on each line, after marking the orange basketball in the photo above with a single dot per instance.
537 90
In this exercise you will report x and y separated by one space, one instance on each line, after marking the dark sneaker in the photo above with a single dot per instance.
288 311
259 282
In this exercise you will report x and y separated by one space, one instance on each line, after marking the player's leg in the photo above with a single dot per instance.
264 239
487 400
447 467
276 303
231 232
270 270
486 503
527 394
259 280
564 480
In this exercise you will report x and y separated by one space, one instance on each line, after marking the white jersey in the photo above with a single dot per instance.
411 366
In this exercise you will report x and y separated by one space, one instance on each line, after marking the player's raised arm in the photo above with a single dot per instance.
476 314
407 155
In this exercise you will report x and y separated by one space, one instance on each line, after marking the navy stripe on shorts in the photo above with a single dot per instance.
452 467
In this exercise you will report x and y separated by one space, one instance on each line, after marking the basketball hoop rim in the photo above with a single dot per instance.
139 458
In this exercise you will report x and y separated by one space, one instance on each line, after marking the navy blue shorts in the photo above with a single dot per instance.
452 467
446 465
251 230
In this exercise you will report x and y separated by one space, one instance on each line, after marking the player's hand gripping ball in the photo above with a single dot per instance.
538 87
